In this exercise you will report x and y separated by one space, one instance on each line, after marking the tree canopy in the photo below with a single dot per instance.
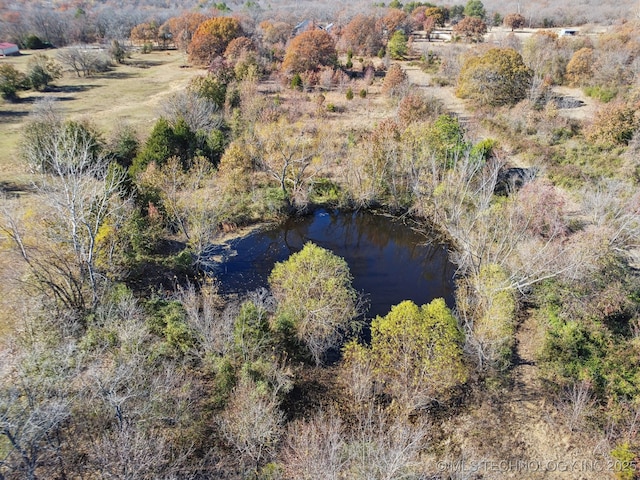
315 295
475 8
471 28
416 352
212 37
309 51
497 77
362 36
514 21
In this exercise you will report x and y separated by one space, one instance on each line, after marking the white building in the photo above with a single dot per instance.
568 32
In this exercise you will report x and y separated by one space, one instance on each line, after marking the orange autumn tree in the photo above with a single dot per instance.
362 35
183 27
309 51
212 38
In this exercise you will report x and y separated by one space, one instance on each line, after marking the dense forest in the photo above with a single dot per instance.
136 135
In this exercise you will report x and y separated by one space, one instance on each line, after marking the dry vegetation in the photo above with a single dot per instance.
519 150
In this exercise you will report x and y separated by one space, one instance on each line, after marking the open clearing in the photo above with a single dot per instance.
130 93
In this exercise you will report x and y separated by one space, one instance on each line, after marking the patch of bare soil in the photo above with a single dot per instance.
574 104
446 94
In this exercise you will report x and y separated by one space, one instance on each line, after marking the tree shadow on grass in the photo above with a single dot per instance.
71 88
11 115
144 63
14 189
117 75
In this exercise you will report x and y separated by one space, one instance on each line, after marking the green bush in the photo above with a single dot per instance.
625 468
11 81
33 42
325 191
167 319
296 82
251 331
225 379
604 94
349 94
398 45
484 148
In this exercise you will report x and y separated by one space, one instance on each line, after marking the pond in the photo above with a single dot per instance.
389 261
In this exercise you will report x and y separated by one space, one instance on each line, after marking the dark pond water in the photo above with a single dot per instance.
388 260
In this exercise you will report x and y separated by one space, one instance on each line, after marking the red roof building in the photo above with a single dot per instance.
8 49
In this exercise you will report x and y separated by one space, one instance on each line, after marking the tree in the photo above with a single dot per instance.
199 112
252 424
488 310
614 124
398 45
314 293
34 407
445 138
239 47
117 52
39 146
183 27
475 8
79 194
416 352
416 107
429 25
213 86
362 36
514 21
310 50
175 138
395 19
145 33
456 12
42 70
580 67
83 62
546 56
394 80
439 15
497 77
290 155
11 80
187 197
471 28
211 39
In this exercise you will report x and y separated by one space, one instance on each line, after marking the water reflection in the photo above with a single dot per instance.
388 260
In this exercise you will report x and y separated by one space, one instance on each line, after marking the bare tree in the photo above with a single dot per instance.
33 409
252 424
290 155
79 193
84 61
577 403
191 200
315 449
205 315
199 113
386 446
377 445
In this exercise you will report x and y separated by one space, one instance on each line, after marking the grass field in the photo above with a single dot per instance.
129 93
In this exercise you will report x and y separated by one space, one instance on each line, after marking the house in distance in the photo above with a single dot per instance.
8 49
